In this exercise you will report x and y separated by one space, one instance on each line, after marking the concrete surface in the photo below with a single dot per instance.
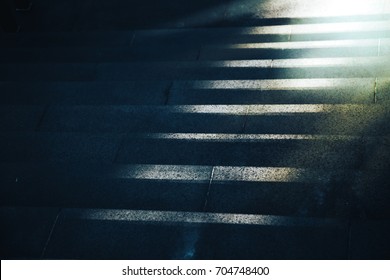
212 130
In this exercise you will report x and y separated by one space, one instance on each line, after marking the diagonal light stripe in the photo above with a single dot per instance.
193 218
320 28
306 44
197 173
282 84
266 109
370 62
268 174
165 172
215 137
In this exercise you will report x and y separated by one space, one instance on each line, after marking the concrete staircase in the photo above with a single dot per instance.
255 142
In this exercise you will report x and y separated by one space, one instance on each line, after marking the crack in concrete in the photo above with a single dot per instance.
199 53
208 190
44 113
167 93
132 39
50 234
349 234
245 120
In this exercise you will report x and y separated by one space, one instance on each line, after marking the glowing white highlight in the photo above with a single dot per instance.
215 137
260 174
302 62
307 44
315 8
192 217
196 173
282 84
165 172
256 109
344 27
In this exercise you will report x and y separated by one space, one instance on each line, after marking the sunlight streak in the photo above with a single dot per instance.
308 44
192 217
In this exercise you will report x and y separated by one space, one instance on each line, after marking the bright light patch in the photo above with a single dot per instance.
343 7
329 62
282 84
314 8
344 27
192 217
258 174
200 173
210 109
308 44
256 109
218 137
254 63
301 62
315 28
165 172
288 109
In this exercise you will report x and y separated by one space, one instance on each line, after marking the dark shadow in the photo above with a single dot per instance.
70 129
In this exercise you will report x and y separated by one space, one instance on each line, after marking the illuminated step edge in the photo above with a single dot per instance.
260 109
368 62
222 137
281 84
194 173
325 44
343 27
193 218
234 110
267 109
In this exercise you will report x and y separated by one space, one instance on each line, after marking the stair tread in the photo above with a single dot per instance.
211 134
181 71
195 92
184 235
274 32
205 51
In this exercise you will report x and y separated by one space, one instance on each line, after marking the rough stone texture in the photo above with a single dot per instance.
239 129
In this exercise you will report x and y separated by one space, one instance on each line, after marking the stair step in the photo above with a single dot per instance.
127 234
339 119
67 39
267 150
25 231
312 49
276 91
177 236
281 91
277 32
231 189
193 51
84 93
95 54
60 147
246 136
20 117
345 119
269 153
124 234
184 71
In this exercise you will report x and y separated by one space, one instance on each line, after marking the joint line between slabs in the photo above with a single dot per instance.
349 233
208 190
132 39
120 145
44 113
245 120
50 234
376 90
